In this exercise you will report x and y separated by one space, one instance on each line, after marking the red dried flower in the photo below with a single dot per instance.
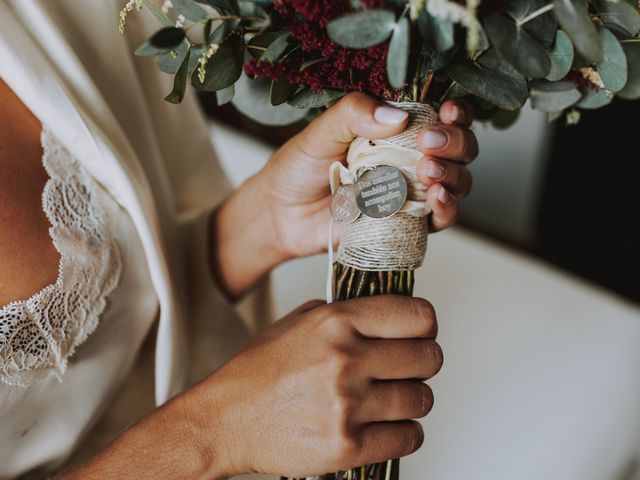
340 68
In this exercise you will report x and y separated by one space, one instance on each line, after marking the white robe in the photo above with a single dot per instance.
69 65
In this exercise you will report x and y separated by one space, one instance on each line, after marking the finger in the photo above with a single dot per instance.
444 208
456 112
354 115
448 141
384 440
395 400
456 178
390 316
393 359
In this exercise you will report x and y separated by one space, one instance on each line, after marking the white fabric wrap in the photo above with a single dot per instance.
398 242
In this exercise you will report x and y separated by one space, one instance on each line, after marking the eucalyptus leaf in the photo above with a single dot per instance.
190 9
223 6
252 99
276 48
574 18
553 96
179 82
553 116
620 17
310 63
503 119
631 90
149 50
517 46
167 63
251 9
309 99
223 68
225 95
259 43
437 33
167 38
455 90
561 57
542 27
281 91
362 29
592 99
491 78
613 70
398 56
223 31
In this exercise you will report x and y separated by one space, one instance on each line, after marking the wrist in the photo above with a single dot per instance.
244 244
168 444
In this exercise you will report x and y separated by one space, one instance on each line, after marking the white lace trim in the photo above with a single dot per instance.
39 335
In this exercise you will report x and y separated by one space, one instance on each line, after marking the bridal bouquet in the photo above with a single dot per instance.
278 61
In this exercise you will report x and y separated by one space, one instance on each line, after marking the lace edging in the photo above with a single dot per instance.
39 335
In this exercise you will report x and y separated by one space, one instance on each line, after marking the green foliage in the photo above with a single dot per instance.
553 96
492 79
561 57
362 29
553 52
398 57
613 68
224 68
574 18
631 90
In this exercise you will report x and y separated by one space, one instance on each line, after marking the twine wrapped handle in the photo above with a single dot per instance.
398 242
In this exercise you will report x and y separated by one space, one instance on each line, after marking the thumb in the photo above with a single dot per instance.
354 115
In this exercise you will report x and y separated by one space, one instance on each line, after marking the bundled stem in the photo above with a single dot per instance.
350 282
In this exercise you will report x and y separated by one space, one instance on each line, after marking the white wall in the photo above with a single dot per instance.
507 177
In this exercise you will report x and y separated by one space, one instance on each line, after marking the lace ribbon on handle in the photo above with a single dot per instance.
39 335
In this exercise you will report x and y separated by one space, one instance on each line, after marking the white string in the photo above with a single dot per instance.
329 291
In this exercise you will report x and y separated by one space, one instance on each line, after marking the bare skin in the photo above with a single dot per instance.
351 383
24 232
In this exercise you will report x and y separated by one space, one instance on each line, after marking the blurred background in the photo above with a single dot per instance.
536 295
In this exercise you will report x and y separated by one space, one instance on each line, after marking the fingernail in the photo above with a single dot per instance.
434 139
443 196
435 170
389 115
457 114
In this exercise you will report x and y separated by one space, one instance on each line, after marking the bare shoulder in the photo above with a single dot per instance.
28 261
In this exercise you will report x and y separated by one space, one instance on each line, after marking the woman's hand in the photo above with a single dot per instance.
327 388
297 174
283 211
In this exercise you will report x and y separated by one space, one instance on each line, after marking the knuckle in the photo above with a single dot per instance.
468 182
332 321
454 176
471 145
425 314
347 447
354 103
434 357
416 437
312 304
426 399
339 367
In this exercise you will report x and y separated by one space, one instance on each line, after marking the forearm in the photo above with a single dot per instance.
162 446
243 242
